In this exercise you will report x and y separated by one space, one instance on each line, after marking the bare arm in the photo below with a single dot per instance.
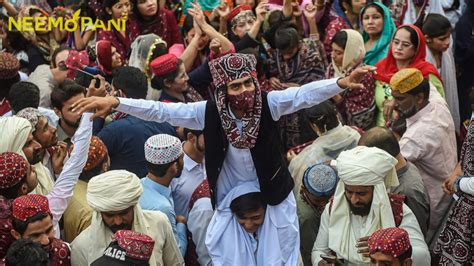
261 11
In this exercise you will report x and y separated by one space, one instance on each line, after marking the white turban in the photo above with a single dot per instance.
14 132
361 166
114 191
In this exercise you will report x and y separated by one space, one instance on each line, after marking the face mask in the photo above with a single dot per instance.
243 101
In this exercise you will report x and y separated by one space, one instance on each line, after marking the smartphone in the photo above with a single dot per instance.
331 259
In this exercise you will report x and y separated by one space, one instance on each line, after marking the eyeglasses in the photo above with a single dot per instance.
404 45
62 66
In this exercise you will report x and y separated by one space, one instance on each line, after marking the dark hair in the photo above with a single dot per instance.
64 92
159 169
188 25
7 84
349 2
109 4
20 226
158 82
406 255
436 25
424 88
12 192
135 10
130 80
25 252
247 203
56 52
261 63
399 126
323 115
374 5
340 38
286 37
86 175
196 133
22 95
381 138
413 35
160 49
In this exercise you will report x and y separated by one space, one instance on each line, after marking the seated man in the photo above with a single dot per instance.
245 230
113 197
361 206
33 219
390 246
127 248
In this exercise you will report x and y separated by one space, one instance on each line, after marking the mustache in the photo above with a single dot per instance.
114 228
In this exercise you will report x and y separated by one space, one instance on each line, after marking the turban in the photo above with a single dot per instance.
14 132
320 180
406 80
28 206
127 247
13 167
96 155
389 241
162 149
103 50
114 191
361 166
32 115
238 12
164 64
9 66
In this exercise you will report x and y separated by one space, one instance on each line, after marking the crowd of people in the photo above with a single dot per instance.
237 132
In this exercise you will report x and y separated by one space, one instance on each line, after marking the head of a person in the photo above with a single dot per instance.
399 127
98 160
32 219
127 248
372 19
18 137
287 41
338 46
116 9
382 138
40 20
113 196
189 32
164 156
58 63
353 6
390 246
9 66
410 90
196 137
32 149
145 9
107 56
157 49
26 252
322 117
319 184
18 176
169 73
363 170
241 20
437 30
249 210
23 94
62 99
129 82
43 131
405 43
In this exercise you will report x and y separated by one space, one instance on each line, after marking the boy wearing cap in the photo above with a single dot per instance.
390 246
32 219
428 121
164 156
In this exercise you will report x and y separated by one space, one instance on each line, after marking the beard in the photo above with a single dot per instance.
37 157
73 124
360 210
114 228
407 113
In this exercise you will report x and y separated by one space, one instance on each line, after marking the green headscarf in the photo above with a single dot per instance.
380 48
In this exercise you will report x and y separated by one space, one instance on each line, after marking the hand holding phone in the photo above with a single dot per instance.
331 259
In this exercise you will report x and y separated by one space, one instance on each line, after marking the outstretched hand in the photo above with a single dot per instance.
353 81
102 106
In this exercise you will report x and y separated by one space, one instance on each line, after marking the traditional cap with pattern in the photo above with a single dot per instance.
29 205
406 80
162 149
164 64
13 168
392 241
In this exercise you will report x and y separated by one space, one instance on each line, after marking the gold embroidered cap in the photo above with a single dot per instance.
406 80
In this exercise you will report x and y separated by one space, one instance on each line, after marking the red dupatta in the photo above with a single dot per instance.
387 67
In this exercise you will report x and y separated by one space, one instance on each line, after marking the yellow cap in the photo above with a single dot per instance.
406 80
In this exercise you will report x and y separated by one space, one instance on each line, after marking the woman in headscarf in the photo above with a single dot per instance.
118 10
437 30
246 231
407 50
152 18
378 28
356 107
108 58
42 42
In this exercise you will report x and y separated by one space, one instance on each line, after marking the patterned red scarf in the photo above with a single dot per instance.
224 70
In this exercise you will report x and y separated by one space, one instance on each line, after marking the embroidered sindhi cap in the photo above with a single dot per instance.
29 205
164 64
96 154
392 241
406 80
320 180
13 168
162 149
9 66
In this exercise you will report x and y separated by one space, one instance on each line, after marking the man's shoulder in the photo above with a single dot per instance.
155 216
